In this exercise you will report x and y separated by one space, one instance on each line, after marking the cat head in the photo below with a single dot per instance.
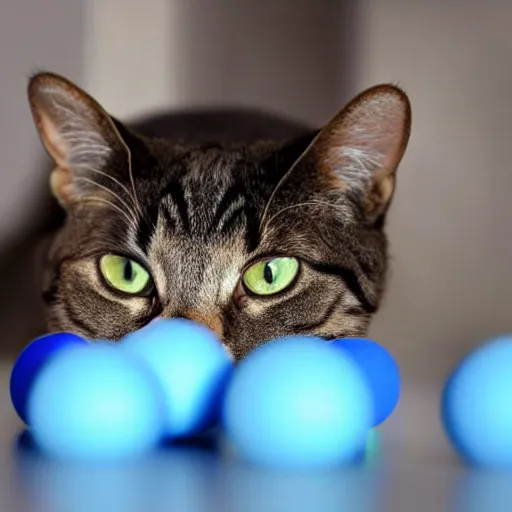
254 240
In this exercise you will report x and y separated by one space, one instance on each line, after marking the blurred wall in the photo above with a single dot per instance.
133 53
451 221
290 56
34 35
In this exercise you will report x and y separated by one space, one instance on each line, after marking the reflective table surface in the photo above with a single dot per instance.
416 471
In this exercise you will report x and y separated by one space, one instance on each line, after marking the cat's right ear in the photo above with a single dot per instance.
78 134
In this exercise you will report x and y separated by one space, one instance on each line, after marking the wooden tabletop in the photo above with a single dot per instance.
416 472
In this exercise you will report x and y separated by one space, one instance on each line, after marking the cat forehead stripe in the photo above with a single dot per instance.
215 212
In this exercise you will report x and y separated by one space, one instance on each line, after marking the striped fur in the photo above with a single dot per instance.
196 214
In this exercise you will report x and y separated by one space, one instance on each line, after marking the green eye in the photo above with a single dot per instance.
124 274
271 276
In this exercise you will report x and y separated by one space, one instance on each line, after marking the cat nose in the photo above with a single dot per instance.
211 320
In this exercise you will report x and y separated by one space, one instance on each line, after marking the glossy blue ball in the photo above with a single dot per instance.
476 406
96 402
30 361
296 403
380 370
192 366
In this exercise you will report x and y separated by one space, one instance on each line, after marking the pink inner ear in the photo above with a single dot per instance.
377 126
53 141
366 141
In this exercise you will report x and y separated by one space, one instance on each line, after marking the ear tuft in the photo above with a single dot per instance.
75 130
363 145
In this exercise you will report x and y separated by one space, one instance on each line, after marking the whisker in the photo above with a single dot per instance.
117 196
130 167
299 205
132 181
283 179
149 222
115 180
91 199
129 193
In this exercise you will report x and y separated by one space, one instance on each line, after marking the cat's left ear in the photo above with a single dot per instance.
358 151
78 134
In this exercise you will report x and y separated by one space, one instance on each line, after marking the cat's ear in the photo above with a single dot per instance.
79 135
359 150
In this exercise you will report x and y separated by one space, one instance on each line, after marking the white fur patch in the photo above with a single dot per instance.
82 142
358 165
228 352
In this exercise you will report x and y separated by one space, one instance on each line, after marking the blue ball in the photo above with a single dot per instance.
30 361
476 406
96 402
380 370
192 367
296 403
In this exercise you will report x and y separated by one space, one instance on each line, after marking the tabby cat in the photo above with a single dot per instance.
255 235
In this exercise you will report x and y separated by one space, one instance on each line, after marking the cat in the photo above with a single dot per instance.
253 225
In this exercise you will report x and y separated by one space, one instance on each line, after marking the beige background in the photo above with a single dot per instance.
33 36
450 221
